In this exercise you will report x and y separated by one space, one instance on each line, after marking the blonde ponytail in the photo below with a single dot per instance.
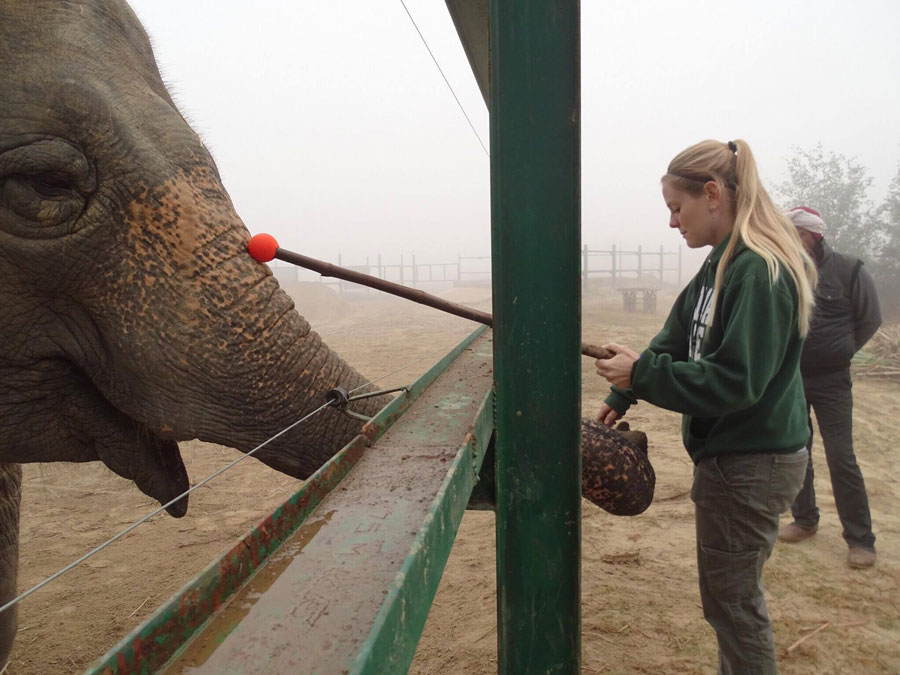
758 223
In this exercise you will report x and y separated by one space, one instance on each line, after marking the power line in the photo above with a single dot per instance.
449 86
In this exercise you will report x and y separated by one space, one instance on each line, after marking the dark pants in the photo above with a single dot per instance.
738 498
831 398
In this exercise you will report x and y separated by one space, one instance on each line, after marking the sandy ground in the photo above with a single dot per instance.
640 606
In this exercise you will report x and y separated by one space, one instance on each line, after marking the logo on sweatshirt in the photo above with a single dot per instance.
700 322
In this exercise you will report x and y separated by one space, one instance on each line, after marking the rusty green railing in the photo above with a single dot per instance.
152 645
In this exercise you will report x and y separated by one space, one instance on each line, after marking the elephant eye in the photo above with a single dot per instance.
50 184
44 187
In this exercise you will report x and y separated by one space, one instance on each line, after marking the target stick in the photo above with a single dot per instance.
264 247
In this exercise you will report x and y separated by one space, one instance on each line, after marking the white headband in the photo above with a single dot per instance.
806 220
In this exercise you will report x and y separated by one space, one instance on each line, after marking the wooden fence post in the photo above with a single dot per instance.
613 265
640 271
584 266
340 283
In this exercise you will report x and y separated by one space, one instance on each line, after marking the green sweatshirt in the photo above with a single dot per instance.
737 381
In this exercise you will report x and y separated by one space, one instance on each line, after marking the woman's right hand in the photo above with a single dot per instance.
608 415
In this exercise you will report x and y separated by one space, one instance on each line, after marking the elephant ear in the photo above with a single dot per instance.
153 463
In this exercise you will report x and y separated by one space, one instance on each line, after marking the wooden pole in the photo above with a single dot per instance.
640 269
414 294
340 284
613 259
584 265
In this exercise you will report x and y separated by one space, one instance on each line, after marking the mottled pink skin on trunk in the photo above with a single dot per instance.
134 316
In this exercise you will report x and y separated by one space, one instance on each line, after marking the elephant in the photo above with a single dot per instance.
132 315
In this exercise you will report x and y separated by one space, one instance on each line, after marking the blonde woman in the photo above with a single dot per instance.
728 359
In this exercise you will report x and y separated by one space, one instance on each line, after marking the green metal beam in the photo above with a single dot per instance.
150 647
392 641
357 581
535 213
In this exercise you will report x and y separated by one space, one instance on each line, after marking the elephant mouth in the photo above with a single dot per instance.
164 476
137 452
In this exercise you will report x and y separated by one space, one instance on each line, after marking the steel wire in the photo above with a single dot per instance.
206 480
449 86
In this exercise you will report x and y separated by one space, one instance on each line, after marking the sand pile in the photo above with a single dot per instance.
316 301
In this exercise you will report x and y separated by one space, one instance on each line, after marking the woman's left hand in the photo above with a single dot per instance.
617 370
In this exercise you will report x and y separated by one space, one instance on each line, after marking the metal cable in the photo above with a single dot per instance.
157 511
162 508
472 126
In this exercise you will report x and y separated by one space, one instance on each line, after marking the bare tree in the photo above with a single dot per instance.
836 186
887 259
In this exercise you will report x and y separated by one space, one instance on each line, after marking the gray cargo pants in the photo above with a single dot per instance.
830 395
737 500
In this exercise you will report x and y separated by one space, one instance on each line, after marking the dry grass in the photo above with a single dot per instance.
881 357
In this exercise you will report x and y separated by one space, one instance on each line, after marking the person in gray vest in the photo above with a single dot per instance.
846 315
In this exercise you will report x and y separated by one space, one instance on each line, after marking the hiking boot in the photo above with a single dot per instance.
792 532
860 557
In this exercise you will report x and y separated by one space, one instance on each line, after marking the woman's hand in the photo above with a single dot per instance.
617 370
608 415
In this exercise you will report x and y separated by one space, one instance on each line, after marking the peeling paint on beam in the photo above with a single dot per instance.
165 634
391 644
365 544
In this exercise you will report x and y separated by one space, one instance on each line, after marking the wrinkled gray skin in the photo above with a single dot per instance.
131 315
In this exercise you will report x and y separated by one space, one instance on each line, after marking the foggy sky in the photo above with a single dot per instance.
334 131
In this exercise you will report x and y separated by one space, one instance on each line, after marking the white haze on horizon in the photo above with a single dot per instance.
334 131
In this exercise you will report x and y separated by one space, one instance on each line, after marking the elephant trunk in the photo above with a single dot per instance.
10 495
294 388
227 358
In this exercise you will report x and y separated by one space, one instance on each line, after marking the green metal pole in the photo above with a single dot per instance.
536 214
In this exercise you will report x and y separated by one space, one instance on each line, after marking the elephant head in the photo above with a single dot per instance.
132 315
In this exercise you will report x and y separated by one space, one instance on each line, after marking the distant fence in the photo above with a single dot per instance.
623 266
618 266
